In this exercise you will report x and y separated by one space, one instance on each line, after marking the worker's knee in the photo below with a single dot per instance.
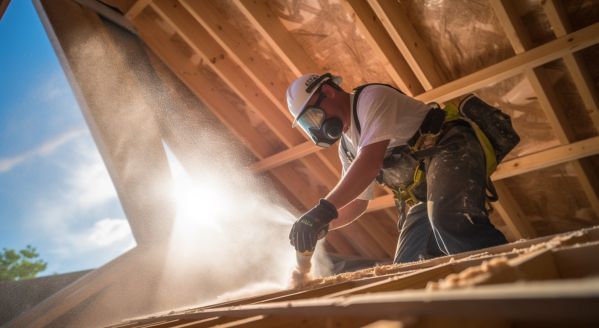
447 217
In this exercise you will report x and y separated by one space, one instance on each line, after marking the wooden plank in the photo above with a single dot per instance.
539 265
272 30
547 98
278 119
512 25
258 12
161 44
122 145
515 220
3 7
543 159
510 67
560 25
258 69
558 19
416 280
576 261
578 300
137 8
409 43
215 57
373 30
547 158
513 66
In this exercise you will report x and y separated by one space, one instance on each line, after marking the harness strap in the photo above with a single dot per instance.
357 92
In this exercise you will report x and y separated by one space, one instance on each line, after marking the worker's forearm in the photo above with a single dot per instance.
349 213
360 174
358 177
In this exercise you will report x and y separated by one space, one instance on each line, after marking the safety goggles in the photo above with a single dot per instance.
313 116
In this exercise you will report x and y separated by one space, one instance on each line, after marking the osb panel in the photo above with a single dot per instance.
254 41
332 40
552 199
581 12
463 35
516 98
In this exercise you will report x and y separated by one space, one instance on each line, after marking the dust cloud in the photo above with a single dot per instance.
207 229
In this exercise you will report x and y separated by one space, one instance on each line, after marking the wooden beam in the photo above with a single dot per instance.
258 12
137 8
409 43
578 300
574 63
373 30
168 51
513 66
511 213
543 159
3 7
122 145
272 30
214 56
510 67
546 95
256 68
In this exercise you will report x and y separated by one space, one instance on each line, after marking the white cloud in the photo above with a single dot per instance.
105 233
45 149
89 184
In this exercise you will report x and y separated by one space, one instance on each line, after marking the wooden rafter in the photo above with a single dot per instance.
287 48
409 43
574 63
373 30
537 161
425 66
160 42
546 96
3 7
518 64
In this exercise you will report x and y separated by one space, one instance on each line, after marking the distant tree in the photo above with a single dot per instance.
20 265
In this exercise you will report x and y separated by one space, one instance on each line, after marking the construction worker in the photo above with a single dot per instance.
382 134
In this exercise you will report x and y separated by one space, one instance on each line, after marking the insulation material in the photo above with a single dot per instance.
243 112
582 12
332 40
569 99
516 98
535 21
552 199
463 35
472 276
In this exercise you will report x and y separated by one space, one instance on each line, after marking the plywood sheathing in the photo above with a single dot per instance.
322 27
333 40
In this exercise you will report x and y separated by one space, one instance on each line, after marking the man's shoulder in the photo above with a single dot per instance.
378 92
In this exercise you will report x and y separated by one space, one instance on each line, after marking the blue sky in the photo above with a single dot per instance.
55 192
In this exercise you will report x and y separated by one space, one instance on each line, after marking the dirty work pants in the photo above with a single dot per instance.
453 219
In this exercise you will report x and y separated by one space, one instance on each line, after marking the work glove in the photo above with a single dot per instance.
312 226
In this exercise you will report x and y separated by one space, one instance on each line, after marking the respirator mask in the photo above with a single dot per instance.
323 131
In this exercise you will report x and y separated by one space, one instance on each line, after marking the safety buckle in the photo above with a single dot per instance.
426 141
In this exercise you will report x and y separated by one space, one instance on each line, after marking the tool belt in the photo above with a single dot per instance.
492 128
404 169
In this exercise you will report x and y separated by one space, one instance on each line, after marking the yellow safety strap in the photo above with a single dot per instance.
453 113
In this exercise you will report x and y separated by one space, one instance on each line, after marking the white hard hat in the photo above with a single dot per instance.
301 90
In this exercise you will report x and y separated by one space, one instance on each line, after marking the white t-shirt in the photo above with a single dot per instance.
384 114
